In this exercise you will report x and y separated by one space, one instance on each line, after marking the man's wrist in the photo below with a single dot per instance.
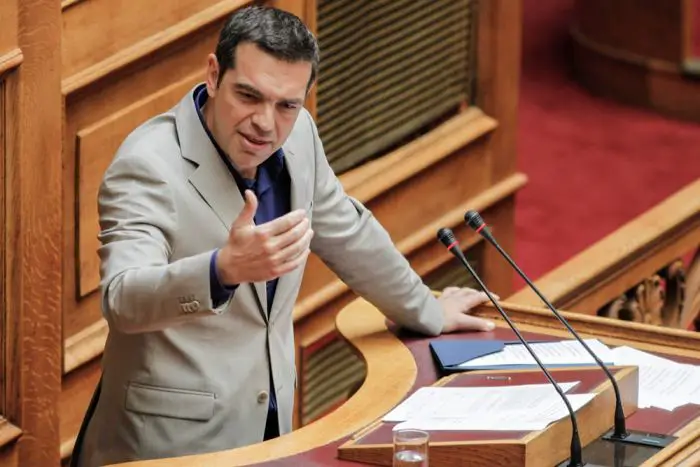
221 278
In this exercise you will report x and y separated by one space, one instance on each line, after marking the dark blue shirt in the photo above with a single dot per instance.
272 186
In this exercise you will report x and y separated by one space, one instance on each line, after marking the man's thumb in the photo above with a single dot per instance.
247 214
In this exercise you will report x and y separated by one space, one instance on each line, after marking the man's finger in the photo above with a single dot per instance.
247 214
291 236
472 323
283 224
474 300
450 290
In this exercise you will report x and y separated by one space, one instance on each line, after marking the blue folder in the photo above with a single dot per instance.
448 354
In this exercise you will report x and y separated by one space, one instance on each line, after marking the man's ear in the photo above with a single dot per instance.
212 78
310 88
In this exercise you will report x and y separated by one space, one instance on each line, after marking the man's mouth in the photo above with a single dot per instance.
253 141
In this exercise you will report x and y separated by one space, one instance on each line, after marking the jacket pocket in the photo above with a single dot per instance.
183 404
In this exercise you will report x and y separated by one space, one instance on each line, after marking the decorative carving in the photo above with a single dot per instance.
690 311
669 298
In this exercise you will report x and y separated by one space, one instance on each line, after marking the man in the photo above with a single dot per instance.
208 213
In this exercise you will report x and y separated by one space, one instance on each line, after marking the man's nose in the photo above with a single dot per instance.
264 118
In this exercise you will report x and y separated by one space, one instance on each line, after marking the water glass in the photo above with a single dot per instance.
411 448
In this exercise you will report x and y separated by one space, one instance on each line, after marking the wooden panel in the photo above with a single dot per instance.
153 44
498 74
94 30
3 244
9 457
635 51
34 235
77 390
95 148
8 31
10 60
647 28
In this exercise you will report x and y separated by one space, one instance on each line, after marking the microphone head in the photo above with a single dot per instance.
473 219
446 236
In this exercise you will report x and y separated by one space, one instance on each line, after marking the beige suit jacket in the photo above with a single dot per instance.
180 376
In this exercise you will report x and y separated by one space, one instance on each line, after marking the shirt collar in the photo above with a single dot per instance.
272 167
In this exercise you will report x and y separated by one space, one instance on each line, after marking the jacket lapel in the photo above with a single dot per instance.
300 199
214 183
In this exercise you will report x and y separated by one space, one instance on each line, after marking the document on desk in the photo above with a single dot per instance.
492 403
561 353
503 408
663 383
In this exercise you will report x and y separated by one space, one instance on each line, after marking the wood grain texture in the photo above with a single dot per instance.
622 259
35 234
91 54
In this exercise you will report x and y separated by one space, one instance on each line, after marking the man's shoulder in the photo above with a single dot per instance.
156 137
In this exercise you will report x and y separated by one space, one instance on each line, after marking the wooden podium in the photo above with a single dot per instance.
512 448
398 364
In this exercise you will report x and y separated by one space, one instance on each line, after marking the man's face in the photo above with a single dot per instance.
254 108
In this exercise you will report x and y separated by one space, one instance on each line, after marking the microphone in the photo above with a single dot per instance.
447 238
619 432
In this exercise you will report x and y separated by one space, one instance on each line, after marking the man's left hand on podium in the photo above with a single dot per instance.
456 303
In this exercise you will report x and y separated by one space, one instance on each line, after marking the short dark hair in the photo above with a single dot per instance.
277 32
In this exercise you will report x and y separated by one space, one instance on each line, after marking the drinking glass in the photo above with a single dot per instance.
411 448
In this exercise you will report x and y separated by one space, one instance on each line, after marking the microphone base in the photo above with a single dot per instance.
634 450
641 438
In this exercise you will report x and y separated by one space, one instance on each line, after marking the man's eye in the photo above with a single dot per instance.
246 96
289 106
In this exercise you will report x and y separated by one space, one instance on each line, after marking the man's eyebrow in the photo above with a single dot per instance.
293 101
251 90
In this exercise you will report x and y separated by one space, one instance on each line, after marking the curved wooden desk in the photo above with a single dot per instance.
398 363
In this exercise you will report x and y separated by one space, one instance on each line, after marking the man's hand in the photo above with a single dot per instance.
263 252
456 302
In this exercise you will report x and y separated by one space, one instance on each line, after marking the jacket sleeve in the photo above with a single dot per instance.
142 290
349 239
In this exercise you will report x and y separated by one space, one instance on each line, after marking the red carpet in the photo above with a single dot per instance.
593 164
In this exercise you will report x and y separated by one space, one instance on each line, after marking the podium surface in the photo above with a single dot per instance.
399 363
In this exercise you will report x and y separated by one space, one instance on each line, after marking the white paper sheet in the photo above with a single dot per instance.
663 383
534 417
569 352
441 402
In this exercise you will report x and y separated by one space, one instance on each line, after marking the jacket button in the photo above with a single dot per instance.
262 397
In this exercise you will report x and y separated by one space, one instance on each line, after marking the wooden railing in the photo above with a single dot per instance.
646 271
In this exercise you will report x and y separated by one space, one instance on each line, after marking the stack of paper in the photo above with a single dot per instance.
663 383
502 408
551 354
